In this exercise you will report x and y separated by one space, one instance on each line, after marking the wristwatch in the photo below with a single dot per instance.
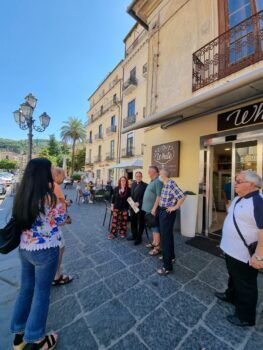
259 258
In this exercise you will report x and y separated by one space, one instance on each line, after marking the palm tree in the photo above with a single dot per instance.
72 132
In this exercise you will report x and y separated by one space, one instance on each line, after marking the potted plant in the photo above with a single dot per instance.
189 214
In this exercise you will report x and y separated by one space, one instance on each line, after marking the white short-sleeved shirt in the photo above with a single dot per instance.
249 218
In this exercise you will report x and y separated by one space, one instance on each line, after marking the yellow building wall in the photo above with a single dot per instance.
188 133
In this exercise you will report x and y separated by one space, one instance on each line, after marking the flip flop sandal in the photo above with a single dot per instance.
163 272
63 279
19 342
49 340
150 245
155 251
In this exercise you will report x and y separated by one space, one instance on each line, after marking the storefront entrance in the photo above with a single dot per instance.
224 157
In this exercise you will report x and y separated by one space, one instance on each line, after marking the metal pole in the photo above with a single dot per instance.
30 138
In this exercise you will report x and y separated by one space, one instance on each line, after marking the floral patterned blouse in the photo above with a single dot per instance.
45 232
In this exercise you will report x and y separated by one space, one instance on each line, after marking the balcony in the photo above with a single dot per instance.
90 141
127 152
129 121
145 70
110 156
232 51
111 130
109 106
129 85
88 162
136 42
99 136
98 158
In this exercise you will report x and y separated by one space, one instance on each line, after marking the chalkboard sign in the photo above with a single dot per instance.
249 115
167 156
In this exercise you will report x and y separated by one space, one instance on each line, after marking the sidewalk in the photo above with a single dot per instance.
117 301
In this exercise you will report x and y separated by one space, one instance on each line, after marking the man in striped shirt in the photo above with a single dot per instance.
172 197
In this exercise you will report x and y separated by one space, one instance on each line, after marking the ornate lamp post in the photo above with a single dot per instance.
24 118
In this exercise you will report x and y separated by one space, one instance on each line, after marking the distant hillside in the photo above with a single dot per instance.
18 146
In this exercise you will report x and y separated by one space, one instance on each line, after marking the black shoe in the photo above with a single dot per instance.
130 238
137 242
235 320
223 297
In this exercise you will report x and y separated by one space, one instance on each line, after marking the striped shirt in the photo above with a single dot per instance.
171 193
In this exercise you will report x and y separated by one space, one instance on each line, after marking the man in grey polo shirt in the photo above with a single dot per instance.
245 215
150 204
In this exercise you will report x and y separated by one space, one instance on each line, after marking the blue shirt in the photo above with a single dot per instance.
171 194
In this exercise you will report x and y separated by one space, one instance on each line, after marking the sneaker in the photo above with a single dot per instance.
90 202
111 236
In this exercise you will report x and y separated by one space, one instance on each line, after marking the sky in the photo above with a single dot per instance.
59 50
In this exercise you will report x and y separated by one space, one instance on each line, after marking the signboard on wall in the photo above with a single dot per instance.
167 156
249 115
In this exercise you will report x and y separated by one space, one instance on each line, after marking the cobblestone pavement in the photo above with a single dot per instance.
117 301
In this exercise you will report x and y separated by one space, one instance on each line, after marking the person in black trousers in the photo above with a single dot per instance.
137 220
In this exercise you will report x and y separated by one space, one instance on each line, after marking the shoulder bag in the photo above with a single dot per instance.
9 237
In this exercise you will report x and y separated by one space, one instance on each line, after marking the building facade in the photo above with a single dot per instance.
103 130
204 96
134 90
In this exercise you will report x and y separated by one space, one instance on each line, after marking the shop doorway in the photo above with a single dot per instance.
223 160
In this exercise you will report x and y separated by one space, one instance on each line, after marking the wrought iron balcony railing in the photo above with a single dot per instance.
130 83
129 121
98 158
90 141
88 162
106 107
137 41
110 156
99 136
127 152
239 47
111 129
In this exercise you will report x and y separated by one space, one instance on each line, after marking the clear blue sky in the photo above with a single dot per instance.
59 50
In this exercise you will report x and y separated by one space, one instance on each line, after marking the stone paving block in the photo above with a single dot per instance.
92 297
110 322
185 308
169 334
201 291
6 311
216 321
77 336
121 281
215 279
260 281
193 262
78 265
130 342
255 342
163 286
200 338
12 276
102 257
63 312
90 248
141 300
122 250
7 292
143 270
133 258
110 268
181 274
181 249
57 293
71 254
82 279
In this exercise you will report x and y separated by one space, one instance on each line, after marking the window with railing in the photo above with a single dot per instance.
235 49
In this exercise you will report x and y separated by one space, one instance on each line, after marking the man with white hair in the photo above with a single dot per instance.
242 243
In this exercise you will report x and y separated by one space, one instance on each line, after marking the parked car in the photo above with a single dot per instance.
6 178
2 190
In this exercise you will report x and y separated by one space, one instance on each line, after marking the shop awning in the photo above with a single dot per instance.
244 88
132 164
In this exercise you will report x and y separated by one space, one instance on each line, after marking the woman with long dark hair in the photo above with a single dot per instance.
120 208
37 213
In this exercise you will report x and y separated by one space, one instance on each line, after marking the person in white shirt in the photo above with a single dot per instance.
243 227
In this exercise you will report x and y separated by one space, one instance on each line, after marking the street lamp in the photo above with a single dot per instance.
24 118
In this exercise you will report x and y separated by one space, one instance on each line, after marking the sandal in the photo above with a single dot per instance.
63 279
50 340
150 245
163 272
18 343
155 251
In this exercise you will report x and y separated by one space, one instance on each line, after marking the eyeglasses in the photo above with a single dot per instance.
238 182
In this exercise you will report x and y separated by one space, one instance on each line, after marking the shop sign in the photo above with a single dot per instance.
249 115
167 156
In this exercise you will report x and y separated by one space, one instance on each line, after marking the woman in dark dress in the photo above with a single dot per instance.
120 206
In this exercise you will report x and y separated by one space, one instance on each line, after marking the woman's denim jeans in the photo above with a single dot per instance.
31 308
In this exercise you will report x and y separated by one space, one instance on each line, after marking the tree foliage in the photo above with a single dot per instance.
7 164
